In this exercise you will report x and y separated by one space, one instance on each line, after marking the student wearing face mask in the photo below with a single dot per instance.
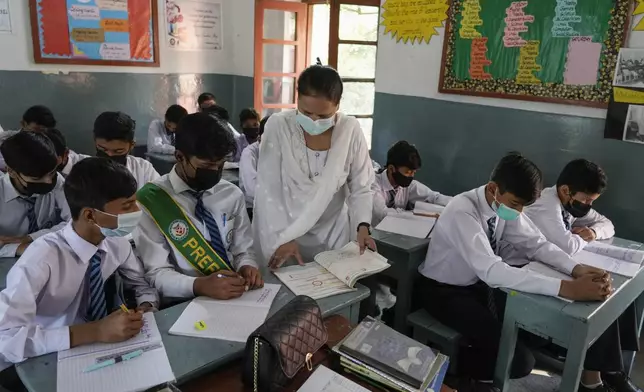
463 267
63 292
564 212
249 120
395 188
114 139
314 176
32 200
195 236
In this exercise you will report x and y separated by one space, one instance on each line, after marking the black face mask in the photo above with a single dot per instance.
122 159
40 188
204 179
402 181
577 209
251 133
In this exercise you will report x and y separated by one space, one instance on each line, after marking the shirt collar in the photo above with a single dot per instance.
486 210
384 181
83 249
9 192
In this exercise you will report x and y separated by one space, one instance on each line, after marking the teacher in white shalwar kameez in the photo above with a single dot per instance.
314 176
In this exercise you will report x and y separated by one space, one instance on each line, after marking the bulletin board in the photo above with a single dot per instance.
561 51
95 32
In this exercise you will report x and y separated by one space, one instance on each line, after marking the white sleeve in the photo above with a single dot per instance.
20 336
133 276
361 176
248 172
151 173
155 140
468 238
242 243
8 250
421 192
380 210
155 251
550 222
601 225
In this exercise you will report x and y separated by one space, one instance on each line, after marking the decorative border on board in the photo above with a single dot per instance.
596 96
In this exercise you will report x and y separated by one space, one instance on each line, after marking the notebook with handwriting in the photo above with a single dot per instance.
621 261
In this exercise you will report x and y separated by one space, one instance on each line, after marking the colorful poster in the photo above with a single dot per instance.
5 17
193 25
582 63
639 10
96 30
411 20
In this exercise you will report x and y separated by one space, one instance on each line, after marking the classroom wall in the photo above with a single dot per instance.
461 138
77 94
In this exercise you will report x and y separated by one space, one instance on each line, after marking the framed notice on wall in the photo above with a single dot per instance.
95 32
561 51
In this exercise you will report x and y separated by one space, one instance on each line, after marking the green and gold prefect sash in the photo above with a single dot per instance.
179 230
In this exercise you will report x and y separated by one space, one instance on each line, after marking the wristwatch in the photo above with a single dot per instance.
365 224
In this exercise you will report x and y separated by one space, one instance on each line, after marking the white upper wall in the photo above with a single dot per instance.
414 70
236 58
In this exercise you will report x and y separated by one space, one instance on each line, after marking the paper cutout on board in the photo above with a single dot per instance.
479 60
515 23
528 63
582 62
565 14
639 10
411 20
115 25
471 19
88 35
624 95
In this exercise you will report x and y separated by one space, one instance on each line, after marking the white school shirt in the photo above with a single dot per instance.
548 214
248 172
242 144
164 266
51 209
460 253
404 198
159 140
73 158
46 291
142 170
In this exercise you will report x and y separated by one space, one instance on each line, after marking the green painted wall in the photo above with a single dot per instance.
460 144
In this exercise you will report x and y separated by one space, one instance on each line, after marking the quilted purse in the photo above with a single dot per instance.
283 345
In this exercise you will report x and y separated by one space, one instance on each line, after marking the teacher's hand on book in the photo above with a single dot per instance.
220 285
283 253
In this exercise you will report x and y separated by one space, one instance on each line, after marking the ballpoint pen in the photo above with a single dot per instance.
110 362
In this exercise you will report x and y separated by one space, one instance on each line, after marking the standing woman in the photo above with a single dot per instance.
314 176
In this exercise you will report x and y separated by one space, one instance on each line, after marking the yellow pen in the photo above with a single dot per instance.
124 308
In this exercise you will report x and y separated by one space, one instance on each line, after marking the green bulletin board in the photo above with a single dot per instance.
561 51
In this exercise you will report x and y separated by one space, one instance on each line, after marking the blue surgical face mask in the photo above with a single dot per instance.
316 127
504 212
126 224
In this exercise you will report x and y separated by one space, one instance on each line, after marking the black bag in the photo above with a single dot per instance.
281 346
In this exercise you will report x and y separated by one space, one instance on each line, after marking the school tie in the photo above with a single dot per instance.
491 303
392 199
172 138
31 213
97 308
566 220
206 217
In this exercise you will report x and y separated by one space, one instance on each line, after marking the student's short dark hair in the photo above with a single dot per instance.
175 113
59 141
518 175
404 154
30 153
584 176
262 124
320 80
205 97
205 137
217 111
114 126
248 114
94 182
40 115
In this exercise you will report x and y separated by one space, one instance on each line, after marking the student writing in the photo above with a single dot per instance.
161 134
395 188
63 293
249 120
31 193
564 212
195 236
248 169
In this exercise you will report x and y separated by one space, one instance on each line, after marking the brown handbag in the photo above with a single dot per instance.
283 345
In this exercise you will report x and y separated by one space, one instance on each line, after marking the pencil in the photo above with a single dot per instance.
124 308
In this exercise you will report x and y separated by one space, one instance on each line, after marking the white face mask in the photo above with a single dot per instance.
314 127
126 224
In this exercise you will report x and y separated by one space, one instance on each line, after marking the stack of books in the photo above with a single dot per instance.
388 359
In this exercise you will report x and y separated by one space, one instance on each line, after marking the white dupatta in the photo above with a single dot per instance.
288 203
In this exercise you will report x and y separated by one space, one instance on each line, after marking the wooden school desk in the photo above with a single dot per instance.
405 254
193 357
571 325
163 163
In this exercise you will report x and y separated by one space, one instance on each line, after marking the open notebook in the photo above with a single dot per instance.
621 261
408 223
333 272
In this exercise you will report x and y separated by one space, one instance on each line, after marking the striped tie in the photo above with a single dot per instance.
31 214
96 308
491 302
392 199
172 138
566 220
206 217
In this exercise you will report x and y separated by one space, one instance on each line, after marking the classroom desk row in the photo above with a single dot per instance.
163 163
